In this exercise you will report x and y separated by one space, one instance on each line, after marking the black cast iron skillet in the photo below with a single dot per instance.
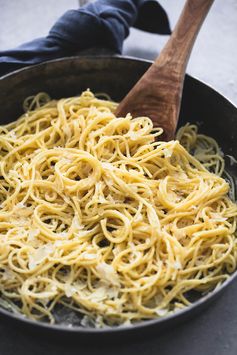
216 116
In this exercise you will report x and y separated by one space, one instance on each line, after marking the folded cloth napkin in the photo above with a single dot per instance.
100 24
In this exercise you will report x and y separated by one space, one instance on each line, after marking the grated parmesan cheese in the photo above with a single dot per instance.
89 256
12 135
108 274
233 161
177 265
167 152
69 290
40 255
20 205
161 312
98 295
86 321
108 166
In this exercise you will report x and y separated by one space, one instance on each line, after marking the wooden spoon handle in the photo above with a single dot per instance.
158 93
178 49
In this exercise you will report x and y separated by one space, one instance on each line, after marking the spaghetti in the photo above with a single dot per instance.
99 216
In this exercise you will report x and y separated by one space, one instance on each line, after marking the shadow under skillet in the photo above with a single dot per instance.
212 332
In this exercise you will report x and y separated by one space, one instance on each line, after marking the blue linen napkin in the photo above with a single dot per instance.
101 24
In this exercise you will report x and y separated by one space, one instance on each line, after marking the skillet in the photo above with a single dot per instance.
116 75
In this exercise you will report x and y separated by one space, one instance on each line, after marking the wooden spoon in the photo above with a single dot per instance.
158 93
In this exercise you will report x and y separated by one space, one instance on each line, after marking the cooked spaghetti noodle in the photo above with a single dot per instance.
100 216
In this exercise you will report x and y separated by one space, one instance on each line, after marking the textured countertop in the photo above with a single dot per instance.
214 331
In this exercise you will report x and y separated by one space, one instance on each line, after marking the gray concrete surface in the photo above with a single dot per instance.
214 58
23 20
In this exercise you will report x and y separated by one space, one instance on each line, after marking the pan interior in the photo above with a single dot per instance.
68 77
